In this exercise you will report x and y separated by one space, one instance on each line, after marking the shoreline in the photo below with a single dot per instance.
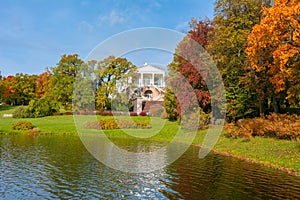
247 159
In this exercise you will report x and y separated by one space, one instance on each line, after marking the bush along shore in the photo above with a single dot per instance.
268 150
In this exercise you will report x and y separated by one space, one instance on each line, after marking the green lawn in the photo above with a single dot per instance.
5 109
272 152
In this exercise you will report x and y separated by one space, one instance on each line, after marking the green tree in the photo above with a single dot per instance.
233 23
170 105
25 87
62 80
112 76
42 107
84 88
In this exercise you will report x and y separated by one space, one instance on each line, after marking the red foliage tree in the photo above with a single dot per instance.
189 69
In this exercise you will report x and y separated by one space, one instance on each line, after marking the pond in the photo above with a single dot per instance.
59 167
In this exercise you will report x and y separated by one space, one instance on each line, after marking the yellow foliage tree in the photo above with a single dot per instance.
274 47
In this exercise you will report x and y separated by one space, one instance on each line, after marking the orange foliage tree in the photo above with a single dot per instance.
273 49
42 84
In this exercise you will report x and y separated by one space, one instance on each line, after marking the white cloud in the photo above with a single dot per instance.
115 17
85 26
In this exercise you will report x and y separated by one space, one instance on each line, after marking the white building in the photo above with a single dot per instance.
149 83
149 75
146 89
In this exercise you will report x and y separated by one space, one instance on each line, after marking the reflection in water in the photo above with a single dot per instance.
133 155
60 167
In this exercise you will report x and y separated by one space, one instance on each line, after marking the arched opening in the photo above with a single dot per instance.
148 94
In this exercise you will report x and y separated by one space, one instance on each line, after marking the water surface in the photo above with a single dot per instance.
59 167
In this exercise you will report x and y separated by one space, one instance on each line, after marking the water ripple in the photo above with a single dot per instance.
57 167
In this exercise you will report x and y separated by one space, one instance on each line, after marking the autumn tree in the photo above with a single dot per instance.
109 76
233 23
42 84
62 80
273 53
8 90
18 89
188 70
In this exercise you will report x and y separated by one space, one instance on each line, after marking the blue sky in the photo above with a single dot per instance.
36 33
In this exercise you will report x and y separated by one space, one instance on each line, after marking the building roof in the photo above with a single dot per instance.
147 68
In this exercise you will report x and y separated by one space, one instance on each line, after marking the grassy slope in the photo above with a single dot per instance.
280 154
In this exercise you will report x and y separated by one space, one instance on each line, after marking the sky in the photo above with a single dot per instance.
36 33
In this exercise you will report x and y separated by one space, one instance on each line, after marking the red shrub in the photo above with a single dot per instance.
133 114
106 113
143 114
68 113
56 114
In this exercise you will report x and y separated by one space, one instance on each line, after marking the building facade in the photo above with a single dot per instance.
150 88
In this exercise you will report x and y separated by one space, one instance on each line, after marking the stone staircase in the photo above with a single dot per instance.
153 105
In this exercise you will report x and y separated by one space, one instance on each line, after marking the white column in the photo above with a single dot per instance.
152 79
142 80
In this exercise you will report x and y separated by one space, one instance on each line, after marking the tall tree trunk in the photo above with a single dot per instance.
261 107
287 104
275 104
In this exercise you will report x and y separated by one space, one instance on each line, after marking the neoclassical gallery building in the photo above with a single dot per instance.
149 81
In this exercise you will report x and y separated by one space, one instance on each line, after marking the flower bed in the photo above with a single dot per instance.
108 124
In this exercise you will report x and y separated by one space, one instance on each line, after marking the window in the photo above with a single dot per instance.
158 79
147 79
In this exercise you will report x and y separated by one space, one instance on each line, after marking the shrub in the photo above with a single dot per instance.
281 126
164 115
231 130
133 114
170 105
121 113
56 114
22 126
21 112
202 122
84 113
113 113
36 108
97 112
67 113
106 113
109 124
143 114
